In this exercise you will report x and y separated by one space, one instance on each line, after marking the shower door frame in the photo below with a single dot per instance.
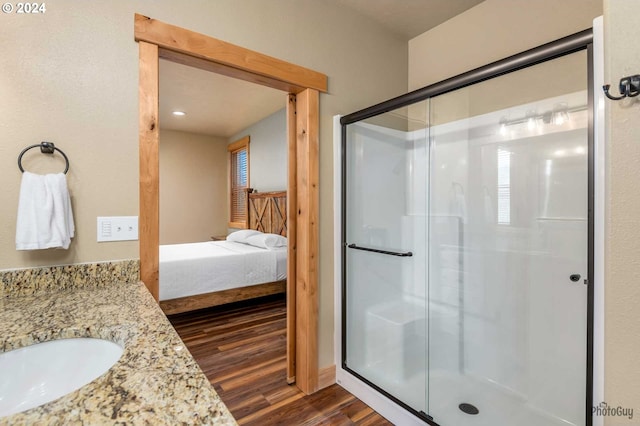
574 43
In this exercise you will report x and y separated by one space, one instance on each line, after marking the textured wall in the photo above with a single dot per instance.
71 76
622 271
493 30
193 187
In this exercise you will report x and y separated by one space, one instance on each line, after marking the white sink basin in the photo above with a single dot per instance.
37 374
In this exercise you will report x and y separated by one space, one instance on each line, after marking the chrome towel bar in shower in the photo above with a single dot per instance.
391 253
45 148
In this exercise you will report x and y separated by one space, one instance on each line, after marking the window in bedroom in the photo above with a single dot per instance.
239 166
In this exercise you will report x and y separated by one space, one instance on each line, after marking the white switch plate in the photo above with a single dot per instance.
117 228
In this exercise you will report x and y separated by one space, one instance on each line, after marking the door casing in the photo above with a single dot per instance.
302 86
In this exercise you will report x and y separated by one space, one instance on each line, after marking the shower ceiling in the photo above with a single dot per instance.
219 106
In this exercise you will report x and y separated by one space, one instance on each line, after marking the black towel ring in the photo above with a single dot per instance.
45 148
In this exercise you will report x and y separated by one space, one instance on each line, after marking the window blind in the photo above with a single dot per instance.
239 166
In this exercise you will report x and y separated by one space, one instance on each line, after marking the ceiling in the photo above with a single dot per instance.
222 106
409 18
214 104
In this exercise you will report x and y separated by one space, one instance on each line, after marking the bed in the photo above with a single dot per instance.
250 263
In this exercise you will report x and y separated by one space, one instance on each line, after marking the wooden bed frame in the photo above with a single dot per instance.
266 212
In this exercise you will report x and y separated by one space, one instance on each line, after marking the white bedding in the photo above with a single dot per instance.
196 268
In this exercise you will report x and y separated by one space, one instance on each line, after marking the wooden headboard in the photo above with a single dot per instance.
267 211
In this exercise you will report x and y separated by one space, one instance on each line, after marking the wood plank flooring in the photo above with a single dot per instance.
241 349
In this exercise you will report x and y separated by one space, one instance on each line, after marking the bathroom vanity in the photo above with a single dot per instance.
155 381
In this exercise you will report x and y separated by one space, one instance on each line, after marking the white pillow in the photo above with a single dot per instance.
241 236
267 241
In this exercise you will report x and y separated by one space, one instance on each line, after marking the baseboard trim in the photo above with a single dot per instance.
326 376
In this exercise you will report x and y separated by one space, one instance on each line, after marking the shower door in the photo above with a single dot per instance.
385 250
466 250
508 318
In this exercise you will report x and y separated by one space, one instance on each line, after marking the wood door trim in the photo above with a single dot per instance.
157 39
227 58
292 206
149 220
307 143
327 376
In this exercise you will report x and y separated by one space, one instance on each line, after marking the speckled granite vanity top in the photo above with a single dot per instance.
155 382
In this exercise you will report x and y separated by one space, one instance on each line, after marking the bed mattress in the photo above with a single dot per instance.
197 268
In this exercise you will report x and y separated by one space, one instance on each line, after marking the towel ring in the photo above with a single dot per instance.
45 148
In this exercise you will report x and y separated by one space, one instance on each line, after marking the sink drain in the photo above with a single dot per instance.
468 408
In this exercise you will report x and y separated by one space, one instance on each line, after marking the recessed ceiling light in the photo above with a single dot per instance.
179 113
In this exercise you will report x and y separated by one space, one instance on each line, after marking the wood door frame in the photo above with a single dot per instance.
157 40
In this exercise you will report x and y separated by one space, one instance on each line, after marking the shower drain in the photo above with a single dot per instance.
468 408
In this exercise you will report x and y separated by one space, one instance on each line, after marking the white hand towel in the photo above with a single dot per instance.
45 219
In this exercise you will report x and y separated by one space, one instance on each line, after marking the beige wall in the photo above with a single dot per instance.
622 251
193 187
493 30
71 76
541 81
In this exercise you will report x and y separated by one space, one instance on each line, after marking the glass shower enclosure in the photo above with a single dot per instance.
466 245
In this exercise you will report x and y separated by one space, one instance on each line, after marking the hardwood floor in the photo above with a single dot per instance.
241 349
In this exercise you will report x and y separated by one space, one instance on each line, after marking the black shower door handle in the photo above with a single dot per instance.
389 252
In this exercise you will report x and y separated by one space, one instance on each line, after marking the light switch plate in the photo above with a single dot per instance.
117 228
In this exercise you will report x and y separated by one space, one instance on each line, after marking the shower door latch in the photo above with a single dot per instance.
576 277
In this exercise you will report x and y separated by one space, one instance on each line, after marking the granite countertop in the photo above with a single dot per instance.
155 382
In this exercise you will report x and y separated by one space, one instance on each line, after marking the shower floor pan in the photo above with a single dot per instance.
496 407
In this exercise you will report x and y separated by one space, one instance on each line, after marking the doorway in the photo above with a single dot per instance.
301 86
